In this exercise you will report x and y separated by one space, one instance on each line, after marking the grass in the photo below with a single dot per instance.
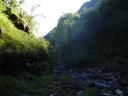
37 86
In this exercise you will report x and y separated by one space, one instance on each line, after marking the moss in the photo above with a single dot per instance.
65 78
91 91
38 86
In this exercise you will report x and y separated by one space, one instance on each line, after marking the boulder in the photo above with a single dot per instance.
13 17
105 94
80 93
20 26
27 29
119 92
103 84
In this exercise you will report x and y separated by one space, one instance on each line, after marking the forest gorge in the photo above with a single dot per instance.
86 54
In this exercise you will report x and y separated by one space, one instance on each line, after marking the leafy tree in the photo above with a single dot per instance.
97 36
19 51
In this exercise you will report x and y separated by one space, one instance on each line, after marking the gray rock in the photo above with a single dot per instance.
119 92
106 94
80 93
103 84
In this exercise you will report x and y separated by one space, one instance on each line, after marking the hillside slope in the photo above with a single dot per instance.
95 36
24 59
20 50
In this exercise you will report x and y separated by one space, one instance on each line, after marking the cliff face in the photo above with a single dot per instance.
88 4
96 36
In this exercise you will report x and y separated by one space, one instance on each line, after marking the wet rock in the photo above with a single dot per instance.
70 71
28 64
101 79
103 84
119 92
93 71
80 93
105 94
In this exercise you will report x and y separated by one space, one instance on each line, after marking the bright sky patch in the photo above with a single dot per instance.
51 10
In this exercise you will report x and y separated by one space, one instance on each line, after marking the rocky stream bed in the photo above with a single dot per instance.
88 82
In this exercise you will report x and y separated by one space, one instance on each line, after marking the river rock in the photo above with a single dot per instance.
119 92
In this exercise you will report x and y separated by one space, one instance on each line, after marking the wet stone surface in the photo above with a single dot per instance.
105 80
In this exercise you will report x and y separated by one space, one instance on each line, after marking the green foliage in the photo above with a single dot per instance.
91 91
64 78
37 86
22 55
95 38
2 42
18 48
